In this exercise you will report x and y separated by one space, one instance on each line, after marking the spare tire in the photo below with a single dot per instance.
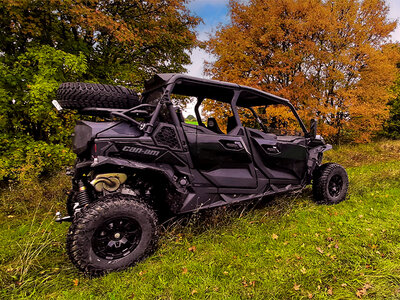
78 95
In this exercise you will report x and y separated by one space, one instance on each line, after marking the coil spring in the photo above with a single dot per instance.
82 197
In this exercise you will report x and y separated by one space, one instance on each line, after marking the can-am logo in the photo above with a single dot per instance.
140 150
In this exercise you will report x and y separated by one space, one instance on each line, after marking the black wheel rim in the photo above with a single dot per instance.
335 185
116 238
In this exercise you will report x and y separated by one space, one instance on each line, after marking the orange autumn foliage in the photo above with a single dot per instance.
331 58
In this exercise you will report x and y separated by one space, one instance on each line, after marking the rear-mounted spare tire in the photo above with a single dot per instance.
78 95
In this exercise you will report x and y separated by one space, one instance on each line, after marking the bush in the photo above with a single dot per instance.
24 159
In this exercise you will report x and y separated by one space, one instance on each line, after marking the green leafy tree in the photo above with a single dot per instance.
392 125
33 136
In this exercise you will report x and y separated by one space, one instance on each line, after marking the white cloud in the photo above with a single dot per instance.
196 68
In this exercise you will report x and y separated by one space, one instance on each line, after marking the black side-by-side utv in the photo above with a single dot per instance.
139 160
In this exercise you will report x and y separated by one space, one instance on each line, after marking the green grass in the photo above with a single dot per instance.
191 122
287 248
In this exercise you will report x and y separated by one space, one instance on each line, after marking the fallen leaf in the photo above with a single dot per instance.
319 250
192 249
184 270
296 287
274 236
344 284
330 291
310 296
75 281
361 292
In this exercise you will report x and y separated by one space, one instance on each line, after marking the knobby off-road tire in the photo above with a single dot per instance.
330 184
112 234
78 95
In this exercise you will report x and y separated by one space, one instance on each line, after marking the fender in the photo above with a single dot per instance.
315 159
163 169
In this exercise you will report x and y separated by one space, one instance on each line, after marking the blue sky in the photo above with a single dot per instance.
215 12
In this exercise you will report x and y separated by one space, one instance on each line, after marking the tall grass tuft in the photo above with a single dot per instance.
37 241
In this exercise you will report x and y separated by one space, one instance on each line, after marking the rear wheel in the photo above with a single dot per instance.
112 234
330 184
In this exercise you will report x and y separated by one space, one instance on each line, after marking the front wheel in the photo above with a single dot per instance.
112 234
330 184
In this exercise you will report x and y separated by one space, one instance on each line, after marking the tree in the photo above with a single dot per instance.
391 127
124 42
33 137
331 58
46 42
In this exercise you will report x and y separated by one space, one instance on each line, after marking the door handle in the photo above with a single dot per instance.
232 145
272 150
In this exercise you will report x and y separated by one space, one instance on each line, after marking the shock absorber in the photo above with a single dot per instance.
82 197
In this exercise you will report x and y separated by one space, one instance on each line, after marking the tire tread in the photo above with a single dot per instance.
78 95
320 180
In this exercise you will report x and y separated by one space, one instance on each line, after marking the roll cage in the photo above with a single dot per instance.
159 89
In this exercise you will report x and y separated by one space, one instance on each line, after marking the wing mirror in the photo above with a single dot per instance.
313 128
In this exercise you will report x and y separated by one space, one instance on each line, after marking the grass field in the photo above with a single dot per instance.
287 248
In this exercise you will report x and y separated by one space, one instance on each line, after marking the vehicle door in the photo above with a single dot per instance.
279 148
222 157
